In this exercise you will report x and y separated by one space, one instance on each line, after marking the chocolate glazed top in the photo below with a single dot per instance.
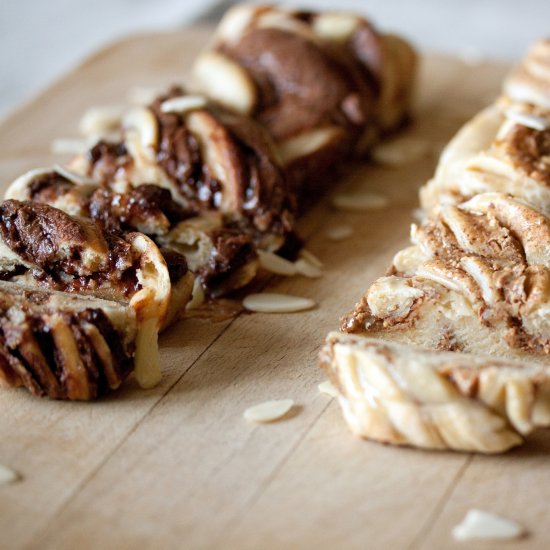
262 192
301 84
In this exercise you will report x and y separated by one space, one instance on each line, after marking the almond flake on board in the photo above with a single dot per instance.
276 264
359 201
269 411
68 146
307 269
7 475
328 388
339 232
277 303
400 151
479 524
311 258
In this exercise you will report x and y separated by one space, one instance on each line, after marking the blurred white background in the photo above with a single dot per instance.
41 39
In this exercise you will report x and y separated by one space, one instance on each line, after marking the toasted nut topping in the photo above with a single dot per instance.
327 387
359 201
527 119
276 303
68 146
7 475
339 232
268 411
101 119
79 179
400 151
276 264
307 269
485 525
183 104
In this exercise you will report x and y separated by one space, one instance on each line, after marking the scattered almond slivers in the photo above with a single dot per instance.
327 387
277 303
276 264
339 232
68 146
359 201
98 120
268 411
79 179
307 269
7 475
280 266
400 151
311 258
479 524
183 104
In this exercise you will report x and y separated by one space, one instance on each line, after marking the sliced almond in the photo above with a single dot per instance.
359 201
328 388
307 269
277 303
79 179
311 258
225 81
98 120
400 151
68 146
276 264
479 524
339 232
7 475
528 120
197 296
184 104
268 411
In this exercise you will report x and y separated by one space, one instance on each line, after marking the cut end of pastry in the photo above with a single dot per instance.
405 395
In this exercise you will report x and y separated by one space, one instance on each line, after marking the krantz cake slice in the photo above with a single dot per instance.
476 279
44 248
405 395
324 84
218 249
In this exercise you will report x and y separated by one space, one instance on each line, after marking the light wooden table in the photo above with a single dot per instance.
177 466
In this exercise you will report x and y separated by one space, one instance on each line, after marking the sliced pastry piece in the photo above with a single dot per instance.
406 395
66 346
207 157
45 248
477 279
219 249
323 84
506 147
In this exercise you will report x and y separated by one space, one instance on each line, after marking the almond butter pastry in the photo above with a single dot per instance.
476 278
323 84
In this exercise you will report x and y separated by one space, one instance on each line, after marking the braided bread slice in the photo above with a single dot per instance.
218 250
506 148
477 279
208 158
323 84
62 345
45 248
409 396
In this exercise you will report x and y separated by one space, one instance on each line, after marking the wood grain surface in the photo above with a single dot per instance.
177 466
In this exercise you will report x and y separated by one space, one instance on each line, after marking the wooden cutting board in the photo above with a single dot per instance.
177 466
